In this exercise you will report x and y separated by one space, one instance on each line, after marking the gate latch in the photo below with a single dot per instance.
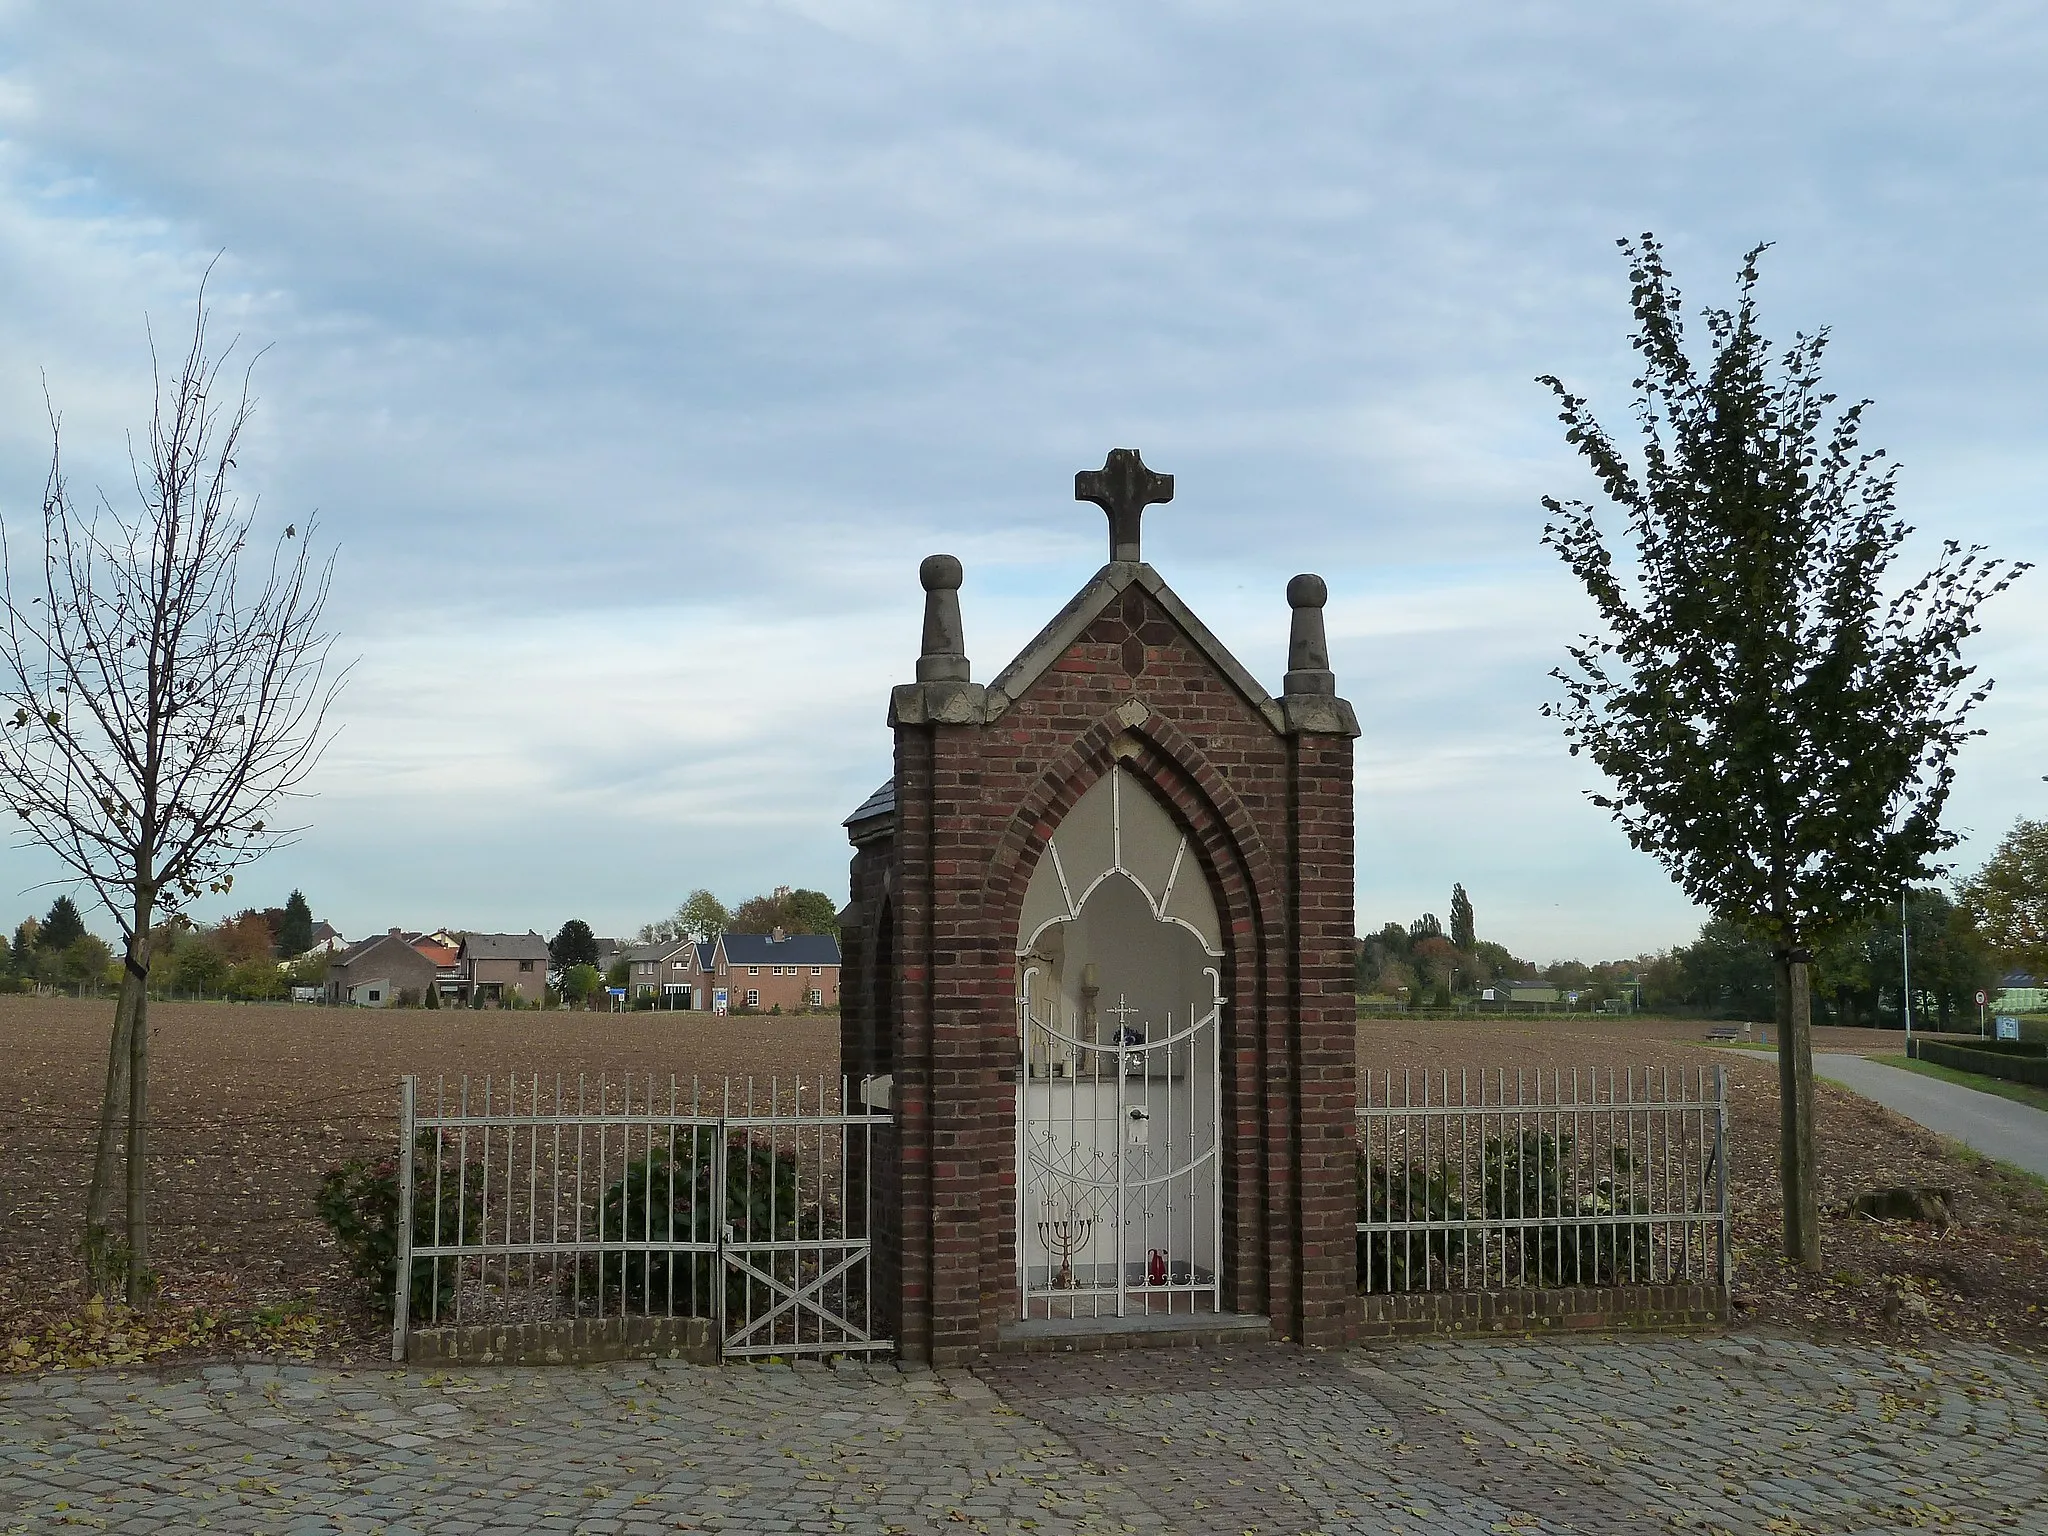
1140 1125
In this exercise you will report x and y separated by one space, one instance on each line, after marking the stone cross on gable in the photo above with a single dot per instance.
1123 488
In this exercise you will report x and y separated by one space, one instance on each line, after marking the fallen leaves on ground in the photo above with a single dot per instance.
99 1334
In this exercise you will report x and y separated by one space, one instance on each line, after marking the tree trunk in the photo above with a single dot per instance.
1796 1168
100 1268
139 1279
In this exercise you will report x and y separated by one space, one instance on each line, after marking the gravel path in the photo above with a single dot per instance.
1748 1436
1999 1128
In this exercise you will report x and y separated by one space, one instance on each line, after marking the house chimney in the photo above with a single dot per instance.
775 934
397 934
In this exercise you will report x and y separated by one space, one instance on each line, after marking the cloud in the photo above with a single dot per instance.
635 356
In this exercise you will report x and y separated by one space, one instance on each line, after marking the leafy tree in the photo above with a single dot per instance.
295 928
1425 927
810 912
1728 970
1573 974
574 945
1861 971
255 980
1463 934
84 962
2009 898
246 936
791 911
1663 983
62 928
198 966
580 981
1492 960
702 916
1778 733
158 696
620 974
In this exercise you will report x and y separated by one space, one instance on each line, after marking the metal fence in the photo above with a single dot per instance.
1486 1180
523 1199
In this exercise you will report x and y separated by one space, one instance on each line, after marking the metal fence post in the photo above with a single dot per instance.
1721 1172
721 1225
400 1304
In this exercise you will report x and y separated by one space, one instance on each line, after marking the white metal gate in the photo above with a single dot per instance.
524 1199
1117 1147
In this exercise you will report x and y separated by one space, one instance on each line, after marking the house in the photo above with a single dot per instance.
2020 993
380 972
773 970
494 966
1503 993
669 969
447 958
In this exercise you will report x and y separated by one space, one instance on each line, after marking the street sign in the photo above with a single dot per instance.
2008 1027
1981 998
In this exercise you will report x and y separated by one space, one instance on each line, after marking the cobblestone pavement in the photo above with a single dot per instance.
1698 1434
626 1449
1732 1434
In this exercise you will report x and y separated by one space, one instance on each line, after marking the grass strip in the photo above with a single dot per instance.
2019 1093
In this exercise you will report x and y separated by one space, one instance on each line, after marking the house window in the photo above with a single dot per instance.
753 998
817 970
678 966
753 970
817 998
526 966
376 996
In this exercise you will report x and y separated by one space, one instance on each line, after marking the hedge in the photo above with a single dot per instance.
2014 1069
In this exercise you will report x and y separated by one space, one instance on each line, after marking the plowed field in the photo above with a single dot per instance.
253 1103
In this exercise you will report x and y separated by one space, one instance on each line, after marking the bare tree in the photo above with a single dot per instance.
158 705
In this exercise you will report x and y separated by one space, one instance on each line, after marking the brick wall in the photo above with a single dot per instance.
979 793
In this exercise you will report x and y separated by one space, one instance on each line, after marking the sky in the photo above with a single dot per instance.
631 357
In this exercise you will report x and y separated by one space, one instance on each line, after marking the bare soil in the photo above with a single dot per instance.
254 1103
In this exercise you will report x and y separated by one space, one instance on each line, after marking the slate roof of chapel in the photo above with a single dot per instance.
881 803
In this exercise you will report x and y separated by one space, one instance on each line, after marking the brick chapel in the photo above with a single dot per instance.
1097 962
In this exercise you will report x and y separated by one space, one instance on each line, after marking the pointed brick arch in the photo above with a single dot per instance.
1199 800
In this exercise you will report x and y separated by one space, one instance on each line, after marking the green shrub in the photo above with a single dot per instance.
1407 1261
358 1201
1530 1175
1524 1176
667 1196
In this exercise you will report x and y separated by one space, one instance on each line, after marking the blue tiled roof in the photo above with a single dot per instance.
795 949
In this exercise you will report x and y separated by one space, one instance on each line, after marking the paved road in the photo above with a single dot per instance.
2012 1133
1747 1436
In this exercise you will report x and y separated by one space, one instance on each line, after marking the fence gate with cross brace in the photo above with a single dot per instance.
525 1199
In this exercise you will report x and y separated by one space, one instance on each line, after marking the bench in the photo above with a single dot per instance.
1725 1032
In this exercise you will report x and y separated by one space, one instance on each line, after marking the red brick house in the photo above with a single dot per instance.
766 971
